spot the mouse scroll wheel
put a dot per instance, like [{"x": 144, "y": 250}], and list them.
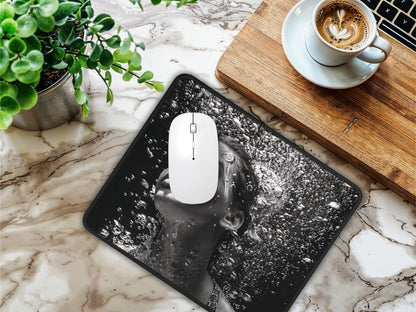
[{"x": 193, "y": 127}]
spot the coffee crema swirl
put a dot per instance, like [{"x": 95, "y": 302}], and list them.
[{"x": 343, "y": 26}]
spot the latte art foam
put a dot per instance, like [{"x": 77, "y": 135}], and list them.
[{"x": 343, "y": 26}]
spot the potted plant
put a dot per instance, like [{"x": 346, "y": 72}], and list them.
[{"x": 45, "y": 43}]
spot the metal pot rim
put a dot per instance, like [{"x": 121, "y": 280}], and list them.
[{"x": 56, "y": 84}]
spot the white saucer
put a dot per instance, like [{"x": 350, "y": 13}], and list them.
[{"x": 344, "y": 76}]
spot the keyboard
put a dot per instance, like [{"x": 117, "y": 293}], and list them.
[{"x": 397, "y": 18}]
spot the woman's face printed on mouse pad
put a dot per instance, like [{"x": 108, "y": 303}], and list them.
[{"x": 251, "y": 247}]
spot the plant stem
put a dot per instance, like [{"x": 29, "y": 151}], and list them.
[
  {"x": 126, "y": 70},
  {"x": 101, "y": 76}
]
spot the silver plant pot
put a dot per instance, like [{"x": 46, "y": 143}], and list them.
[{"x": 56, "y": 105}]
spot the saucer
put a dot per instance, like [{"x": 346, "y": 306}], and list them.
[{"x": 344, "y": 76}]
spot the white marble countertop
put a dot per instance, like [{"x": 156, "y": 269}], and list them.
[{"x": 49, "y": 262}]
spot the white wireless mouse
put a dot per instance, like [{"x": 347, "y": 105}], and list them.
[{"x": 193, "y": 158}]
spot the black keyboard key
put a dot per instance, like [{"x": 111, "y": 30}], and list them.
[
  {"x": 414, "y": 33},
  {"x": 404, "y": 22},
  {"x": 405, "y": 5},
  {"x": 413, "y": 12},
  {"x": 398, "y": 34},
  {"x": 387, "y": 11},
  {"x": 372, "y": 4},
  {"x": 376, "y": 17}
]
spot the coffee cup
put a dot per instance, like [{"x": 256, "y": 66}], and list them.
[{"x": 343, "y": 29}]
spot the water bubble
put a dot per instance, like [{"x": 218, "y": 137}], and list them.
[
  {"x": 247, "y": 297},
  {"x": 334, "y": 205},
  {"x": 104, "y": 233},
  {"x": 145, "y": 184},
  {"x": 116, "y": 230},
  {"x": 229, "y": 157},
  {"x": 140, "y": 204},
  {"x": 149, "y": 152}
]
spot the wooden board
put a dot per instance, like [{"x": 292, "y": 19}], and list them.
[{"x": 372, "y": 126}]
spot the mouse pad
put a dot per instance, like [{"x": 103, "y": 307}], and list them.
[{"x": 276, "y": 212}]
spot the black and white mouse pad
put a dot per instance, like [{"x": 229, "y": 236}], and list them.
[{"x": 252, "y": 247}]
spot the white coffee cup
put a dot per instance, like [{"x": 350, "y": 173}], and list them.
[{"x": 374, "y": 50}]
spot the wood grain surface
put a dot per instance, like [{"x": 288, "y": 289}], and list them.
[{"x": 372, "y": 126}]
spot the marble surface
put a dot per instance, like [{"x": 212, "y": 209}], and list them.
[{"x": 49, "y": 262}]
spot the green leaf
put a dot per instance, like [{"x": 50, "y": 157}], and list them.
[
  {"x": 69, "y": 59},
  {"x": 32, "y": 43},
  {"x": 100, "y": 17},
  {"x": 65, "y": 9},
  {"x": 66, "y": 34},
  {"x": 94, "y": 29},
  {"x": 78, "y": 43},
  {"x": 35, "y": 58},
  {"x": 27, "y": 96},
  {"x": 147, "y": 75},
  {"x": 75, "y": 67},
  {"x": 4, "y": 60},
  {"x": 9, "y": 105},
  {"x": 60, "y": 65},
  {"x": 85, "y": 109},
  {"x": 156, "y": 2},
  {"x": 135, "y": 59},
  {"x": 108, "y": 77},
  {"x": 109, "y": 97},
  {"x": 28, "y": 77},
  {"x": 9, "y": 75},
  {"x": 4, "y": 88},
  {"x": 6, "y": 11},
  {"x": 21, "y": 6},
  {"x": 17, "y": 45},
  {"x": 48, "y": 7},
  {"x": 60, "y": 22},
  {"x": 26, "y": 25},
  {"x": 127, "y": 76},
  {"x": 113, "y": 42},
  {"x": 91, "y": 64},
  {"x": 133, "y": 68},
  {"x": 8, "y": 89},
  {"x": 141, "y": 46},
  {"x": 5, "y": 120},
  {"x": 90, "y": 11},
  {"x": 106, "y": 58},
  {"x": 80, "y": 96},
  {"x": 77, "y": 80},
  {"x": 149, "y": 85},
  {"x": 83, "y": 61},
  {"x": 122, "y": 58},
  {"x": 107, "y": 23},
  {"x": 158, "y": 86},
  {"x": 46, "y": 24},
  {"x": 59, "y": 53},
  {"x": 101, "y": 66},
  {"x": 125, "y": 46},
  {"x": 8, "y": 26},
  {"x": 116, "y": 69},
  {"x": 96, "y": 52},
  {"x": 20, "y": 66}
]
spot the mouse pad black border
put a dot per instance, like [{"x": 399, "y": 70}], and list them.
[{"x": 110, "y": 187}]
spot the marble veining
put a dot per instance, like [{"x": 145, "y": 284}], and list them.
[{"x": 49, "y": 262}]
